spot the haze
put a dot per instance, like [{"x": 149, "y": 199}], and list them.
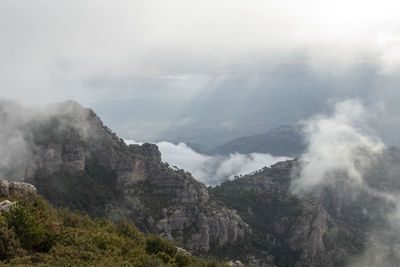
[{"x": 203, "y": 71}]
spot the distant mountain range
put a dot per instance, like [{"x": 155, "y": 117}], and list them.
[
  {"x": 285, "y": 140},
  {"x": 282, "y": 141}
]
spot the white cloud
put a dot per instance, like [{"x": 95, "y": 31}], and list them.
[
  {"x": 334, "y": 146},
  {"x": 212, "y": 170}
]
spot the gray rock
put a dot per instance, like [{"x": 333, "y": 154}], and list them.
[
  {"x": 21, "y": 188},
  {"x": 4, "y": 188},
  {"x": 6, "y": 205}
]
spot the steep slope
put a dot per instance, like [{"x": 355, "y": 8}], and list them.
[
  {"x": 282, "y": 141},
  {"x": 77, "y": 162}
]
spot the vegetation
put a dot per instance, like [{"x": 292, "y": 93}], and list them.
[{"x": 32, "y": 232}]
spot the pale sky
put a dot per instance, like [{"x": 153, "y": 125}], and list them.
[{"x": 183, "y": 69}]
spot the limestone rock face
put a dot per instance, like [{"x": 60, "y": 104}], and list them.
[
  {"x": 307, "y": 236},
  {"x": 172, "y": 203},
  {"x": 148, "y": 151}
]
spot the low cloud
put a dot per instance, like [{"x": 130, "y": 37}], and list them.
[
  {"x": 336, "y": 145},
  {"x": 212, "y": 170},
  {"x": 351, "y": 172}
]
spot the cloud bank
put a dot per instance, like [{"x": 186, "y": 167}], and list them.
[{"x": 212, "y": 170}]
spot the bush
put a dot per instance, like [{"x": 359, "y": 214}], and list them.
[
  {"x": 32, "y": 236},
  {"x": 163, "y": 256},
  {"x": 9, "y": 244},
  {"x": 156, "y": 243},
  {"x": 182, "y": 260},
  {"x": 129, "y": 230},
  {"x": 74, "y": 219}
]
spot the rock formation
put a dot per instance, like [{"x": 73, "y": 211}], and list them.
[
  {"x": 14, "y": 188},
  {"x": 6, "y": 205}
]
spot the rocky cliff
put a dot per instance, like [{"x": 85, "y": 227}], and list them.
[{"x": 294, "y": 231}]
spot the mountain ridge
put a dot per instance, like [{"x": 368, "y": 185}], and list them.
[{"x": 285, "y": 140}]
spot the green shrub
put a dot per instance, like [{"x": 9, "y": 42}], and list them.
[
  {"x": 74, "y": 219},
  {"x": 32, "y": 236},
  {"x": 163, "y": 256},
  {"x": 182, "y": 260},
  {"x": 129, "y": 230},
  {"x": 9, "y": 244},
  {"x": 156, "y": 243}
]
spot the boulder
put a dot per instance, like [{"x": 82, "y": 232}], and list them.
[
  {"x": 6, "y": 205},
  {"x": 21, "y": 188}
]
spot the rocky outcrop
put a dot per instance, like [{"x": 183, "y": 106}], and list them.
[
  {"x": 15, "y": 188},
  {"x": 307, "y": 235},
  {"x": 21, "y": 188},
  {"x": 6, "y": 205},
  {"x": 173, "y": 204}
]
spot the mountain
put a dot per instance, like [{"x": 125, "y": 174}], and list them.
[
  {"x": 75, "y": 161},
  {"x": 282, "y": 141}
]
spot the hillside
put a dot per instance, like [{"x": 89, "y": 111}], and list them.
[{"x": 33, "y": 233}]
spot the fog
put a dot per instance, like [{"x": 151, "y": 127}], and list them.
[
  {"x": 204, "y": 71},
  {"x": 334, "y": 144}
]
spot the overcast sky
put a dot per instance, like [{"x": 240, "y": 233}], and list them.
[{"x": 203, "y": 71}]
